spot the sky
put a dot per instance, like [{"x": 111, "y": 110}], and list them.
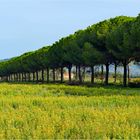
[{"x": 27, "y": 25}]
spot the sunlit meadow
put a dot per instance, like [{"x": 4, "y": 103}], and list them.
[{"x": 68, "y": 112}]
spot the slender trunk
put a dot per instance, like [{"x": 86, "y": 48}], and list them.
[
  {"x": 83, "y": 74},
  {"x": 125, "y": 73},
  {"x": 53, "y": 75},
  {"x": 6, "y": 79},
  {"x": 33, "y": 76},
  {"x": 14, "y": 78},
  {"x": 107, "y": 74},
  {"x": 25, "y": 77},
  {"x": 42, "y": 76},
  {"x": 48, "y": 75},
  {"x": 80, "y": 77},
  {"x": 29, "y": 77},
  {"x": 102, "y": 73},
  {"x": 37, "y": 76},
  {"x": 115, "y": 76},
  {"x": 19, "y": 77},
  {"x": 76, "y": 72},
  {"x": 9, "y": 78},
  {"x": 92, "y": 74},
  {"x": 128, "y": 74},
  {"x": 69, "y": 69},
  {"x": 62, "y": 77},
  {"x": 22, "y": 77}
]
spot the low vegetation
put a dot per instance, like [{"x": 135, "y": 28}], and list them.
[{"x": 29, "y": 111}]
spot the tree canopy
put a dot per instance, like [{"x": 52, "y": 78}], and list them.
[{"x": 104, "y": 43}]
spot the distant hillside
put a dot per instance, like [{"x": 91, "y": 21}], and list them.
[{"x": 4, "y": 60}]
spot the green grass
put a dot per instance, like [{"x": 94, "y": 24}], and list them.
[{"x": 29, "y": 111}]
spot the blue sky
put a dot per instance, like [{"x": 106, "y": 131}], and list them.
[{"x": 27, "y": 25}]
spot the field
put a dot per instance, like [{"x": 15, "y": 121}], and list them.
[{"x": 30, "y": 111}]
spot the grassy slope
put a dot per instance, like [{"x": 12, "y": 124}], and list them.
[{"x": 60, "y": 111}]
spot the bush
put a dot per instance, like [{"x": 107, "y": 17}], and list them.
[{"x": 135, "y": 83}]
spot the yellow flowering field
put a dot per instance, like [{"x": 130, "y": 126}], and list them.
[{"x": 29, "y": 111}]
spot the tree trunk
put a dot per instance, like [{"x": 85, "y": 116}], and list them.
[
  {"x": 19, "y": 77},
  {"x": 107, "y": 74},
  {"x": 9, "y": 78},
  {"x": 128, "y": 74},
  {"x": 125, "y": 74},
  {"x": 83, "y": 74},
  {"x": 33, "y": 76},
  {"x": 37, "y": 76},
  {"x": 29, "y": 77},
  {"x": 80, "y": 77},
  {"x": 14, "y": 78},
  {"x": 115, "y": 76},
  {"x": 42, "y": 76},
  {"x": 22, "y": 77},
  {"x": 76, "y": 73},
  {"x": 92, "y": 74},
  {"x": 62, "y": 77},
  {"x": 102, "y": 73},
  {"x": 25, "y": 77},
  {"x": 6, "y": 78},
  {"x": 53, "y": 75},
  {"x": 69, "y": 70},
  {"x": 48, "y": 75}
]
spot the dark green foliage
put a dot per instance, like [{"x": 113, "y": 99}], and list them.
[{"x": 114, "y": 41}]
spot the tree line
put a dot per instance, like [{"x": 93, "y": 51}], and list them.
[{"x": 113, "y": 41}]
